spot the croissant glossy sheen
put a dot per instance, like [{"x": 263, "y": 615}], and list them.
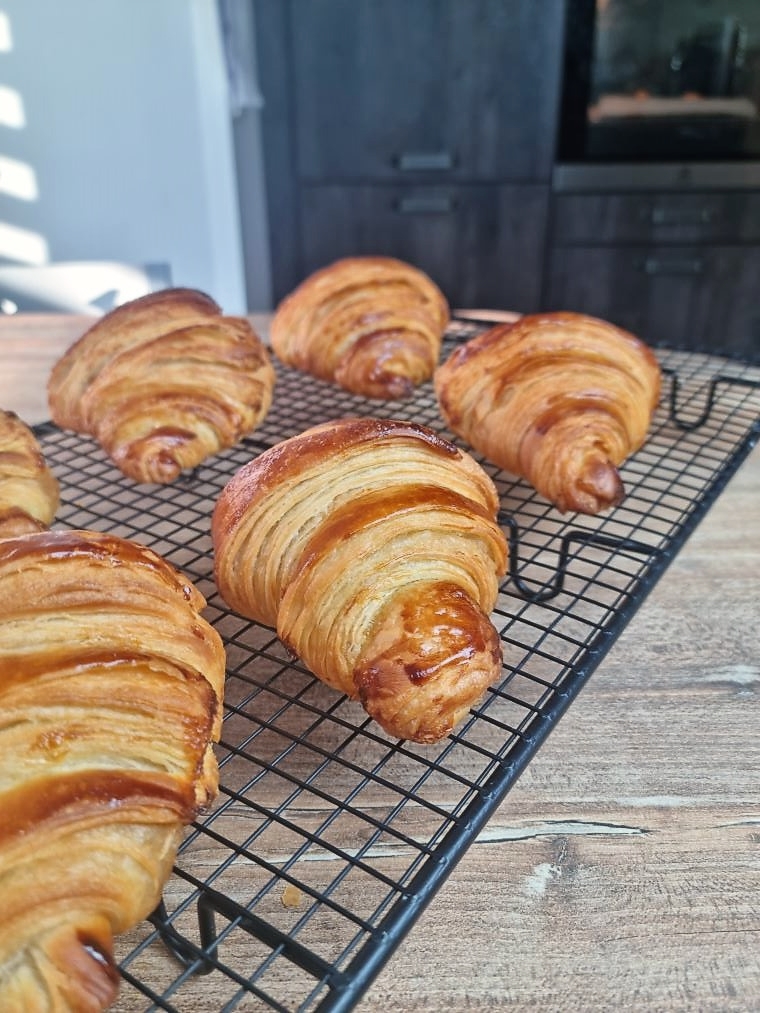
[
  {"x": 372, "y": 325},
  {"x": 560, "y": 399},
  {"x": 29, "y": 493},
  {"x": 163, "y": 382},
  {"x": 371, "y": 545},
  {"x": 110, "y": 696}
]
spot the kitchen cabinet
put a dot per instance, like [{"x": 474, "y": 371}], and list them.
[
  {"x": 483, "y": 244},
  {"x": 676, "y": 268},
  {"x": 426, "y": 131},
  {"x": 701, "y": 298},
  {"x": 393, "y": 88},
  {"x": 665, "y": 216},
  {"x": 423, "y": 131}
]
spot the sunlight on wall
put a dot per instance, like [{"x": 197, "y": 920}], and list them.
[
  {"x": 6, "y": 38},
  {"x": 11, "y": 108},
  {"x": 17, "y": 179},
  {"x": 23, "y": 245}
]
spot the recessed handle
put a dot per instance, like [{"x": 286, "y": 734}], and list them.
[
  {"x": 659, "y": 215},
  {"x": 688, "y": 266},
  {"x": 424, "y": 161},
  {"x": 425, "y": 205}
]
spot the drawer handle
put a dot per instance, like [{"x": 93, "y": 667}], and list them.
[
  {"x": 425, "y": 205},
  {"x": 678, "y": 216},
  {"x": 672, "y": 265},
  {"x": 424, "y": 161}
]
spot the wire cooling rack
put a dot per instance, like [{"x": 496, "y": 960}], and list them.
[{"x": 328, "y": 837}]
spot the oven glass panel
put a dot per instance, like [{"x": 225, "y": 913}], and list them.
[{"x": 677, "y": 79}]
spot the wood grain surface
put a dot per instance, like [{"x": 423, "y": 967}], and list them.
[{"x": 623, "y": 869}]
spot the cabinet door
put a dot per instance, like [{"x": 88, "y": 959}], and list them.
[
  {"x": 684, "y": 297},
  {"x": 386, "y": 89},
  {"x": 725, "y": 310},
  {"x": 657, "y": 217},
  {"x": 482, "y": 244}
]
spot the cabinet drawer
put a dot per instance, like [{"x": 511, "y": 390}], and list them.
[
  {"x": 657, "y": 217},
  {"x": 448, "y": 89},
  {"x": 482, "y": 244},
  {"x": 680, "y": 296}
]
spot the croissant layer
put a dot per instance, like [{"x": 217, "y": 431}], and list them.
[
  {"x": 163, "y": 382},
  {"x": 371, "y": 546},
  {"x": 372, "y": 325},
  {"x": 560, "y": 399},
  {"x": 110, "y": 700},
  {"x": 29, "y": 492}
]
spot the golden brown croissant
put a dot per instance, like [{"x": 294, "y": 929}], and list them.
[
  {"x": 372, "y": 325},
  {"x": 371, "y": 545},
  {"x": 560, "y": 399},
  {"x": 29, "y": 494},
  {"x": 110, "y": 695},
  {"x": 163, "y": 382}
]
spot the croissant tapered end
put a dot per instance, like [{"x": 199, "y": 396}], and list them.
[
  {"x": 163, "y": 382},
  {"x": 371, "y": 545},
  {"x": 29, "y": 492},
  {"x": 372, "y": 325},
  {"x": 110, "y": 700},
  {"x": 594, "y": 487},
  {"x": 560, "y": 399},
  {"x": 92, "y": 981},
  {"x": 434, "y": 655}
]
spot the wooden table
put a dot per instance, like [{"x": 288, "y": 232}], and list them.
[{"x": 623, "y": 869}]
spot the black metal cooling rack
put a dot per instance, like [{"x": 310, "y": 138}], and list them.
[{"x": 319, "y": 855}]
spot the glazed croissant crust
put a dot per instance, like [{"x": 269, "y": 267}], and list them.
[
  {"x": 29, "y": 492},
  {"x": 163, "y": 382},
  {"x": 560, "y": 399},
  {"x": 372, "y": 325},
  {"x": 110, "y": 696},
  {"x": 371, "y": 545}
]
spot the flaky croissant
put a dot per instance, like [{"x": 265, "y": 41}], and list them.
[
  {"x": 371, "y": 545},
  {"x": 163, "y": 382},
  {"x": 560, "y": 399},
  {"x": 372, "y": 325},
  {"x": 110, "y": 696},
  {"x": 29, "y": 492}
]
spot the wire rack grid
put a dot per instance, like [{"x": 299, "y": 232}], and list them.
[{"x": 328, "y": 838}]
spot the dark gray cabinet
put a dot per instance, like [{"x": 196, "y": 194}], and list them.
[
  {"x": 483, "y": 244},
  {"x": 665, "y": 216},
  {"x": 676, "y": 268},
  {"x": 423, "y": 130},
  {"x": 679, "y": 296},
  {"x": 389, "y": 88}
]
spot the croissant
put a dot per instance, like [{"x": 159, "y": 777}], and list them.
[
  {"x": 29, "y": 492},
  {"x": 560, "y": 399},
  {"x": 162, "y": 383},
  {"x": 371, "y": 545},
  {"x": 372, "y": 325},
  {"x": 110, "y": 696}
]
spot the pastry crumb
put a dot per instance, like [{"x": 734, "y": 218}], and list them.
[{"x": 291, "y": 896}]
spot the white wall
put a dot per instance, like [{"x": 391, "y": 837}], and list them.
[{"x": 114, "y": 115}]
